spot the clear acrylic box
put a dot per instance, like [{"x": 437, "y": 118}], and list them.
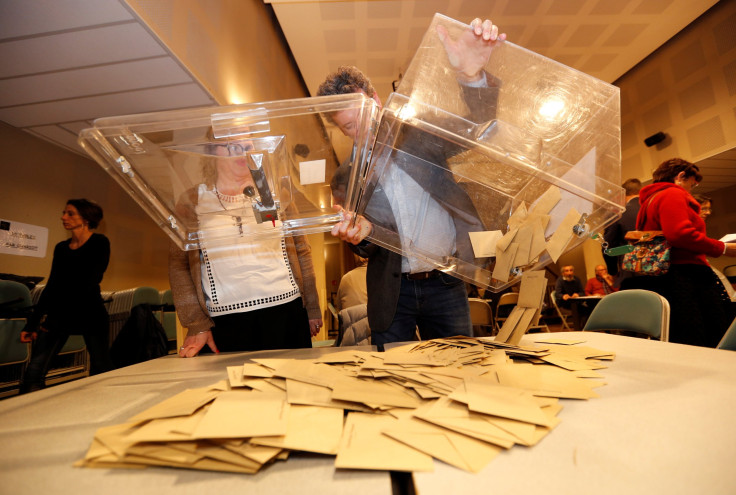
[
  {"x": 172, "y": 162},
  {"x": 486, "y": 183}
]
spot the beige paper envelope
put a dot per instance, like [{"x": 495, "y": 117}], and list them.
[
  {"x": 235, "y": 376},
  {"x": 506, "y": 402},
  {"x": 164, "y": 453},
  {"x": 220, "y": 453},
  {"x": 547, "y": 201},
  {"x": 348, "y": 356},
  {"x": 307, "y": 371},
  {"x": 518, "y": 216},
  {"x": 545, "y": 381},
  {"x": 255, "y": 370},
  {"x": 562, "y": 236},
  {"x": 504, "y": 261},
  {"x": 262, "y": 385},
  {"x": 505, "y": 241},
  {"x": 240, "y": 414},
  {"x": 258, "y": 453},
  {"x": 484, "y": 243},
  {"x": 510, "y": 324},
  {"x": 524, "y": 240},
  {"x": 115, "y": 437},
  {"x": 533, "y": 284},
  {"x": 310, "y": 429},
  {"x": 455, "y": 416},
  {"x": 539, "y": 243},
  {"x": 182, "y": 404},
  {"x": 522, "y": 327},
  {"x": 161, "y": 430},
  {"x": 372, "y": 393},
  {"x": 450, "y": 447},
  {"x": 363, "y": 446}
]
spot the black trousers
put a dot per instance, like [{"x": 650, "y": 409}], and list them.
[
  {"x": 700, "y": 309},
  {"x": 47, "y": 346},
  {"x": 285, "y": 326}
]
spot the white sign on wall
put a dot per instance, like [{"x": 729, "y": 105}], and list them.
[{"x": 23, "y": 239}]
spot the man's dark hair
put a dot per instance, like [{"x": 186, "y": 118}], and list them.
[
  {"x": 89, "y": 210},
  {"x": 631, "y": 186},
  {"x": 347, "y": 79}
]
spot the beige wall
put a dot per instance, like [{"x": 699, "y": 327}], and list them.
[
  {"x": 207, "y": 35},
  {"x": 37, "y": 180},
  {"x": 687, "y": 89}
]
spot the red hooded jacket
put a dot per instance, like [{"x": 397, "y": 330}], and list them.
[{"x": 676, "y": 213}]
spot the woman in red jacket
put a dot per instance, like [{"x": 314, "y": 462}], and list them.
[{"x": 700, "y": 308}]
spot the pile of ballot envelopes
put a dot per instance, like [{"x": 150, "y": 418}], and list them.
[{"x": 461, "y": 400}]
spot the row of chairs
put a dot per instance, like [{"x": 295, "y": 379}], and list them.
[
  {"x": 640, "y": 311},
  {"x": 16, "y": 304},
  {"x": 486, "y": 322}
]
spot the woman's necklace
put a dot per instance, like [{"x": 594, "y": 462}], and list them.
[{"x": 237, "y": 218}]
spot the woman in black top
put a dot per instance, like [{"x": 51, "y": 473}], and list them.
[{"x": 71, "y": 300}]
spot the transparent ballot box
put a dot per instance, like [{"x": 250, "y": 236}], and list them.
[
  {"x": 486, "y": 180},
  {"x": 213, "y": 175}
]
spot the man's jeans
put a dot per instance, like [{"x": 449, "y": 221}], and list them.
[{"x": 438, "y": 306}]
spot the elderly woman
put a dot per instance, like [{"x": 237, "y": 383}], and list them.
[
  {"x": 252, "y": 293},
  {"x": 700, "y": 308}
]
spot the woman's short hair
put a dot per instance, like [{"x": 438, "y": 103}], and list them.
[
  {"x": 89, "y": 210},
  {"x": 702, "y": 198},
  {"x": 668, "y": 170}
]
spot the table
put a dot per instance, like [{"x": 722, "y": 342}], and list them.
[
  {"x": 591, "y": 301},
  {"x": 664, "y": 424},
  {"x": 43, "y": 433}
]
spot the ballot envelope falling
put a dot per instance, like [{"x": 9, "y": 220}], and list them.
[{"x": 483, "y": 181}]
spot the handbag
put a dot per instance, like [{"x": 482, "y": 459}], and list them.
[{"x": 650, "y": 254}]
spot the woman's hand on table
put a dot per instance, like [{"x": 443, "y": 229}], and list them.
[
  {"x": 194, "y": 343},
  {"x": 315, "y": 326}
]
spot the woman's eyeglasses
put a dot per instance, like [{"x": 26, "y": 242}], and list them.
[{"x": 236, "y": 149}]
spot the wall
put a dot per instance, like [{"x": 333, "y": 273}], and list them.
[
  {"x": 208, "y": 36},
  {"x": 687, "y": 89},
  {"x": 37, "y": 180}
]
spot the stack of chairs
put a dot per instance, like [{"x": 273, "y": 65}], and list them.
[{"x": 15, "y": 307}]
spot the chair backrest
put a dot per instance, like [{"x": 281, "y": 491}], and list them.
[
  {"x": 15, "y": 303},
  {"x": 728, "y": 341},
  {"x": 635, "y": 310},
  {"x": 480, "y": 311},
  {"x": 14, "y": 296},
  {"x": 167, "y": 298},
  {"x": 509, "y": 298},
  {"x": 146, "y": 295},
  {"x": 730, "y": 272}
]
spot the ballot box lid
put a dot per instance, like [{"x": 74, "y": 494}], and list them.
[{"x": 171, "y": 163}]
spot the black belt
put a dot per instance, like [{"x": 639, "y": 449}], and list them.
[{"x": 421, "y": 275}]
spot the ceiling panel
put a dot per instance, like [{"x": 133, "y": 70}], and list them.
[
  {"x": 31, "y": 17},
  {"x": 144, "y": 100},
  {"x": 67, "y": 62},
  {"x": 96, "y": 46},
  {"x": 73, "y": 83}
]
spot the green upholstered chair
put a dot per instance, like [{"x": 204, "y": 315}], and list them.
[
  {"x": 635, "y": 310},
  {"x": 728, "y": 341}
]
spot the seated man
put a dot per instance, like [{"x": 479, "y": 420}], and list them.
[
  {"x": 601, "y": 284},
  {"x": 568, "y": 286}
]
